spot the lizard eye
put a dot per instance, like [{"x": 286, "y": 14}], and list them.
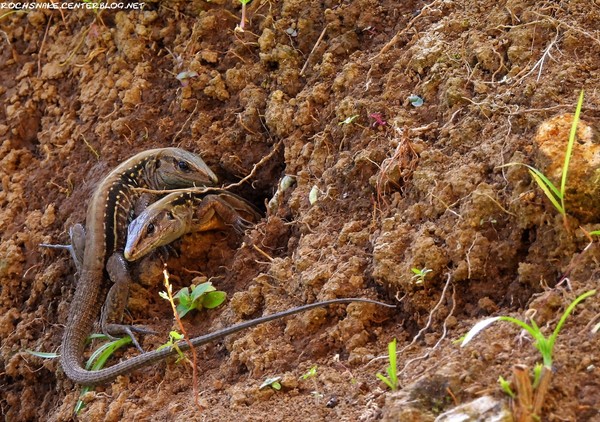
[
  {"x": 150, "y": 228},
  {"x": 183, "y": 166},
  {"x": 170, "y": 216}
]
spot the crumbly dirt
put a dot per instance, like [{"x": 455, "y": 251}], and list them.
[{"x": 380, "y": 187}]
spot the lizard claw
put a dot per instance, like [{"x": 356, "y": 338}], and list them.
[
  {"x": 129, "y": 330},
  {"x": 240, "y": 225}
]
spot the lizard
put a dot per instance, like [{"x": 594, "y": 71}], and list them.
[
  {"x": 173, "y": 216},
  {"x": 106, "y": 217},
  {"x": 108, "y": 213},
  {"x": 183, "y": 212}
]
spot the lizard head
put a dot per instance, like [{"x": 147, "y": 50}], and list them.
[
  {"x": 177, "y": 168},
  {"x": 158, "y": 225}
]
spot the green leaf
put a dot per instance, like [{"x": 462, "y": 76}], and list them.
[
  {"x": 564, "y": 316},
  {"x": 572, "y": 134},
  {"x": 392, "y": 368},
  {"x": 182, "y": 310},
  {"x": 310, "y": 373},
  {"x": 271, "y": 382},
  {"x": 43, "y": 355},
  {"x": 213, "y": 299},
  {"x": 176, "y": 335},
  {"x": 549, "y": 189},
  {"x": 348, "y": 120},
  {"x": 202, "y": 289},
  {"x": 505, "y": 386},
  {"x": 385, "y": 380},
  {"x": 182, "y": 293},
  {"x": 98, "y": 336}
]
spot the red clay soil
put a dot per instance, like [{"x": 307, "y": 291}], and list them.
[{"x": 380, "y": 187}]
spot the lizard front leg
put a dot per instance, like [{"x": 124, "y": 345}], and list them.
[
  {"x": 116, "y": 301},
  {"x": 220, "y": 211}
]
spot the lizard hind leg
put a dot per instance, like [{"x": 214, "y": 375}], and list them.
[{"x": 116, "y": 302}]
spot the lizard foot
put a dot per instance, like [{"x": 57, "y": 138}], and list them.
[
  {"x": 111, "y": 330},
  {"x": 240, "y": 225}
]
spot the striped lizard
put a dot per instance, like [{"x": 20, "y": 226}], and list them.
[
  {"x": 176, "y": 212},
  {"x": 183, "y": 212},
  {"x": 108, "y": 214}
]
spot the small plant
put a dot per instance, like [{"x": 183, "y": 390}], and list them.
[
  {"x": 348, "y": 120},
  {"x": 271, "y": 382},
  {"x": 415, "y": 100},
  {"x": 204, "y": 295},
  {"x": 242, "y": 24},
  {"x": 419, "y": 274},
  {"x": 554, "y": 194},
  {"x": 392, "y": 379},
  {"x": 168, "y": 295},
  {"x": 174, "y": 337},
  {"x": 310, "y": 373},
  {"x": 378, "y": 120},
  {"x": 527, "y": 405},
  {"x": 505, "y": 386},
  {"x": 185, "y": 76}
]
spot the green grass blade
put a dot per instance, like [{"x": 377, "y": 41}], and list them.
[
  {"x": 549, "y": 189},
  {"x": 545, "y": 181},
  {"x": 101, "y": 355},
  {"x": 385, "y": 380},
  {"x": 572, "y": 135},
  {"x": 43, "y": 355},
  {"x": 97, "y": 361},
  {"x": 392, "y": 357},
  {"x": 567, "y": 312},
  {"x": 532, "y": 332}
]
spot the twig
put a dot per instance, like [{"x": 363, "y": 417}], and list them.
[
  {"x": 425, "y": 328},
  {"x": 90, "y": 147},
  {"x": 540, "y": 62},
  {"x": 76, "y": 49},
  {"x": 186, "y": 121},
  {"x": 39, "y": 62},
  {"x": 313, "y": 50},
  {"x": 169, "y": 289},
  {"x": 215, "y": 189},
  {"x": 495, "y": 201},
  {"x": 426, "y": 355},
  {"x": 409, "y": 25},
  {"x": 263, "y": 253},
  {"x": 445, "y": 325},
  {"x": 468, "y": 254}
]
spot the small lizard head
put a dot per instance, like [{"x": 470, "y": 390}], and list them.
[
  {"x": 158, "y": 225},
  {"x": 177, "y": 168}
]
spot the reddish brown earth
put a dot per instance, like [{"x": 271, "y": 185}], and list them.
[{"x": 81, "y": 92}]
